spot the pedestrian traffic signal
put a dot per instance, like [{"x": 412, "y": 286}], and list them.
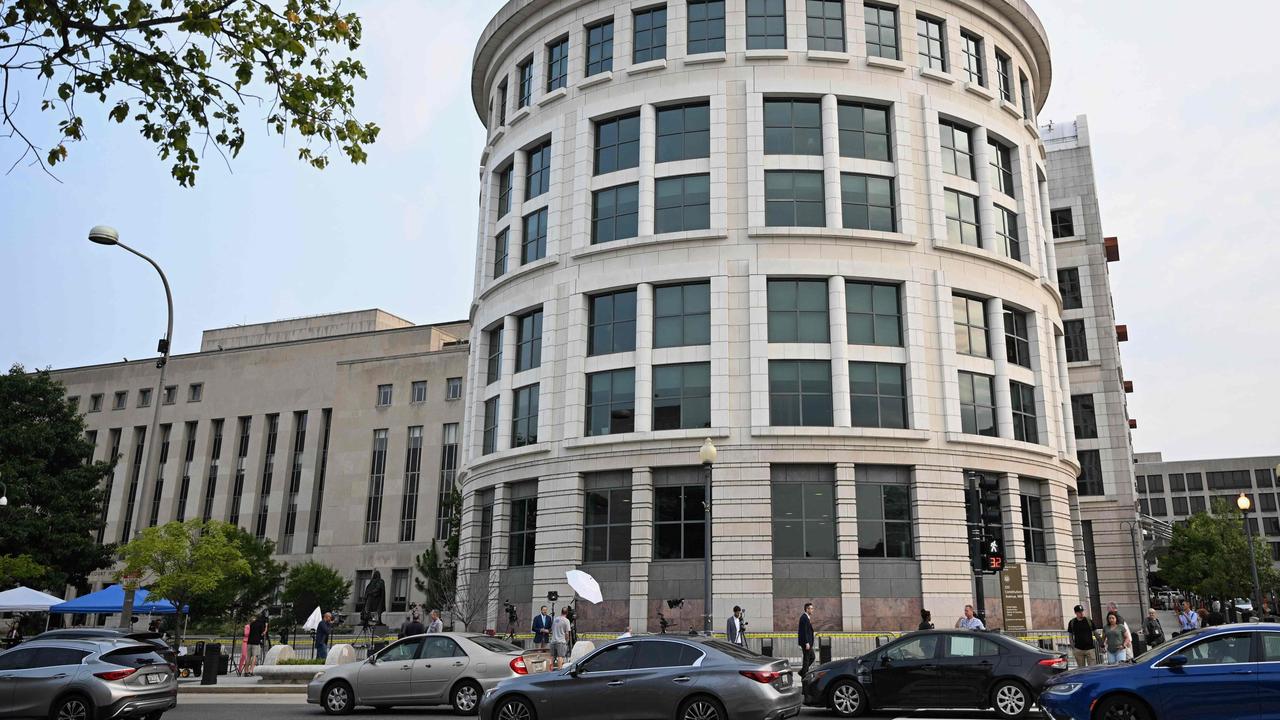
[{"x": 992, "y": 554}]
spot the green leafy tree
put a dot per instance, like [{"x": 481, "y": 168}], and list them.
[
  {"x": 1210, "y": 556},
  {"x": 315, "y": 582},
  {"x": 54, "y": 487},
  {"x": 183, "y": 70},
  {"x": 245, "y": 594},
  {"x": 185, "y": 563},
  {"x": 21, "y": 570},
  {"x": 437, "y": 566}
]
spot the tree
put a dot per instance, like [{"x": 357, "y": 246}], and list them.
[
  {"x": 242, "y": 596},
  {"x": 473, "y": 601},
  {"x": 1209, "y": 556},
  {"x": 310, "y": 582},
  {"x": 20, "y": 570},
  {"x": 185, "y": 563},
  {"x": 182, "y": 70},
  {"x": 437, "y": 566},
  {"x": 54, "y": 487}
]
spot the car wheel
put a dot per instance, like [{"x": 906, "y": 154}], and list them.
[
  {"x": 701, "y": 707},
  {"x": 1122, "y": 707},
  {"x": 514, "y": 708},
  {"x": 1010, "y": 699},
  {"x": 338, "y": 699},
  {"x": 466, "y": 698},
  {"x": 72, "y": 707},
  {"x": 848, "y": 699},
  {"x": 153, "y": 716}
]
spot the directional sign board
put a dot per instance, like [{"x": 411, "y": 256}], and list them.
[{"x": 1013, "y": 598}]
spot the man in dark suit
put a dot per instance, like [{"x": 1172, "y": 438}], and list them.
[{"x": 804, "y": 637}]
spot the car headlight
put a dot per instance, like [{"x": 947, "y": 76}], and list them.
[
  {"x": 815, "y": 676},
  {"x": 1063, "y": 689}
]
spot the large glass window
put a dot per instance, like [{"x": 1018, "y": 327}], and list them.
[
  {"x": 800, "y": 393},
  {"x": 490, "y": 443},
  {"x": 1017, "y": 338},
  {"x": 682, "y": 315},
  {"x": 1024, "y": 412},
  {"x": 1069, "y": 286},
  {"x": 611, "y": 402},
  {"x": 882, "y": 31},
  {"x": 766, "y": 24},
  {"x": 534, "y": 246},
  {"x": 873, "y": 314},
  {"x": 377, "y": 474},
  {"x": 825, "y": 20},
  {"x": 1084, "y": 417},
  {"x": 794, "y": 198},
  {"x": 798, "y": 311},
  {"x": 878, "y": 395},
  {"x": 1001, "y": 167},
  {"x": 792, "y": 127},
  {"x": 525, "y": 70},
  {"x": 971, "y": 325},
  {"x": 524, "y": 532},
  {"x": 1007, "y": 233},
  {"x": 612, "y": 323},
  {"x": 650, "y": 34},
  {"x": 866, "y": 202},
  {"x": 600, "y": 47},
  {"x": 864, "y": 131},
  {"x": 412, "y": 481},
  {"x": 977, "y": 405},
  {"x": 1195, "y": 481},
  {"x": 524, "y": 416},
  {"x": 615, "y": 213},
  {"x": 931, "y": 38},
  {"x": 617, "y": 143},
  {"x": 607, "y": 525},
  {"x": 683, "y": 203},
  {"x": 1028, "y": 108},
  {"x": 493, "y": 365},
  {"x": 804, "y": 520},
  {"x": 684, "y": 132},
  {"x": 957, "y": 150},
  {"x": 682, "y": 396},
  {"x": 1062, "y": 222},
  {"x": 448, "y": 473},
  {"x": 529, "y": 341},
  {"x": 537, "y": 176},
  {"x": 500, "y": 253},
  {"x": 962, "y": 219},
  {"x": 1004, "y": 72},
  {"x": 504, "y": 191},
  {"x": 679, "y": 522},
  {"x": 1033, "y": 533},
  {"x": 486, "y": 530},
  {"x": 1090, "y": 480},
  {"x": 975, "y": 62},
  {"x": 884, "y": 521},
  {"x": 706, "y": 26},
  {"x": 1076, "y": 341},
  {"x": 557, "y": 63}
]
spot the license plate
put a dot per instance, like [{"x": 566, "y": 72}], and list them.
[
  {"x": 156, "y": 678},
  {"x": 785, "y": 681}
]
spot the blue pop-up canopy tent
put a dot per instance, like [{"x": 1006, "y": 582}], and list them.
[{"x": 111, "y": 600}]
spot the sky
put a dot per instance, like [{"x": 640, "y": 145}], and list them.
[{"x": 1184, "y": 115}]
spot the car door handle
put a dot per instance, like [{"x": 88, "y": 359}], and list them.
[
  {"x": 682, "y": 679},
  {"x": 616, "y": 683},
  {"x": 457, "y": 664},
  {"x": 1241, "y": 672},
  {"x": 58, "y": 676}
]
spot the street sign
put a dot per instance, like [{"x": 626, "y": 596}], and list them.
[{"x": 1013, "y": 598}]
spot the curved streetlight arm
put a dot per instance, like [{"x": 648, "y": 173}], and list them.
[{"x": 168, "y": 296}]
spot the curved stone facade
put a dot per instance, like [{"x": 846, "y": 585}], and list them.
[{"x": 787, "y": 250}]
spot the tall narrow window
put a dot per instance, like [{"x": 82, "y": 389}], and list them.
[
  {"x": 607, "y": 525},
  {"x": 884, "y": 520},
  {"x": 957, "y": 150},
  {"x": 931, "y": 38},
  {"x": 866, "y": 202},
  {"x": 106, "y": 490},
  {"x": 975, "y": 62},
  {"x": 873, "y": 314},
  {"x": 1033, "y": 529},
  {"x": 679, "y": 524},
  {"x": 529, "y": 341},
  {"x": 1028, "y": 107},
  {"x": 453, "y": 388},
  {"x": 384, "y": 395},
  {"x": 188, "y": 457},
  {"x": 1062, "y": 223},
  {"x": 1069, "y": 286},
  {"x": 878, "y": 395},
  {"x": 617, "y": 143},
  {"x": 500, "y": 253},
  {"x": 523, "y": 533},
  {"x": 135, "y": 476},
  {"x": 95, "y": 402},
  {"x": 486, "y": 530},
  {"x": 1090, "y": 480},
  {"x": 525, "y": 70},
  {"x": 683, "y": 204},
  {"x": 1076, "y": 340},
  {"x": 237, "y": 483},
  {"x": 195, "y": 392},
  {"x": 1004, "y": 71},
  {"x": 977, "y": 405},
  {"x": 825, "y": 19},
  {"x": 611, "y": 402},
  {"x": 615, "y": 213},
  {"x": 534, "y": 246},
  {"x": 682, "y": 396},
  {"x": 557, "y": 64},
  {"x": 1007, "y": 233},
  {"x": 121, "y": 398},
  {"x": 170, "y": 396},
  {"x": 766, "y": 24},
  {"x": 798, "y": 311},
  {"x": 490, "y": 443},
  {"x": 448, "y": 474},
  {"x": 1084, "y": 417},
  {"x": 493, "y": 365},
  {"x": 600, "y": 47},
  {"x": 156, "y": 492},
  {"x": 794, "y": 198},
  {"x": 377, "y": 474},
  {"x": 800, "y": 393},
  {"x": 295, "y": 480},
  {"x": 268, "y": 471},
  {"x": 211, "y": 479},
  {"x": 706, "y": 26},
  {"x": 322, "y": 467},
  {"x": 650, "y": 40},
  {"x": 1002, "y": 167},
  {"x": 504, "y": 191},
  {"x": 803, "y": 520},
  {"x": 612, "y": 323},
  {"x": 970, "y": 319},
  {"x": 412, "y": 481},
  {"x": 524, "y": 416},
  {"x": 792, "y": 127},
  {"x": 684, "y": 132},
  {"x": 864, "y": 131},
  {"x": 502, "y": 102},
  {"x": 537, "y": 174},
  {"x": 1017, "y": 338},
  {"x": 1024, "y": 412},
  {"x": 882, "y": 31},
  {"x": 682, "y": 315},
  {"x": 962, "y": 219}
]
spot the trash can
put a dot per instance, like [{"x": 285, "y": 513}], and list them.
[
  {"x": 766, "y": 647},
  {"x": 824, "y": 649},
  {"x": 209, "y": 669},
  {"x": 1139, "y": 645}
]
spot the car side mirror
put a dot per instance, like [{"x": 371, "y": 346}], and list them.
[
  {"x": 884, "y": 661},
  {"x": 1175, "y": 661},
  {"x": 373, "y": 660}
]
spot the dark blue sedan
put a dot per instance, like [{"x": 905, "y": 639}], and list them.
[{"x": 1228, "y": 672}]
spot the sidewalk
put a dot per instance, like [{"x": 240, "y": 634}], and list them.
[{"x": 236, "y": 685}]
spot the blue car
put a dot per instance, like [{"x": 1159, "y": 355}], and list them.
[{"x": 1228, "y": 672}]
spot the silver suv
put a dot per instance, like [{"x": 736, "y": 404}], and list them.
[{"x": 98, "y": 679}]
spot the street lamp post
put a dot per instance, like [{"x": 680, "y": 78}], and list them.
[
  {"x": 1244, "y": 503},
  {"x": 4, "y": 494},
  {"x": 1138, "y": 559},
  {"x": 707, "y": 454},
  {"x": 104, "y": 235}
]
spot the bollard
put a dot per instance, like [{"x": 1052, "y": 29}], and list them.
[
  {"x": 766, "y": 647},
  {"x": 824, "y": 649},
  {"x": 209, "y": 668}
]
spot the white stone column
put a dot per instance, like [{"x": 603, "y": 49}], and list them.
[
  {"x": 946, "y": 352},
  {"x": 558, "y": 546},
  {"x": 759, "y": 319},
  {"x": 641, "y": 546},
  {"x": 510, "y": 326},
  {"x": 942, "y": 543},
  {"x": 986, "y": 207},
  {"x": 498, "y": 547},
  {"x": 644, "y": 358},
  {"x": 1067, "y": 436},
  {"x": 742, "y": 541},
  {"x": 831, "y": 161},
  {"x": 1011, "y": 517},
  {"x": 648, "y": 155},
  {"x": 847, "y": 547},
  {"x": 935, "y": 215},
  {"x": 840, "y": 399},
  {"x": 1000, "y": 357},
  {"x": 515, "y": 239},
  {"x": 1049, "y": 270}
]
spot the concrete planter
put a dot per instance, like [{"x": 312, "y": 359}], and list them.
[{"x": 288, "y": 674}]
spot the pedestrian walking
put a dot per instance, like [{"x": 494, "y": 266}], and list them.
[
  {"x": 561, "y": 628},
  {"x": 323, "y": 630},
  {"x": 437, "y": 625},
  {"x": 1188, "y": 619},
  {"x": 259, "y": 631},
  {"x": 1083, "y": 644},
  {"x": 541, "y": 628},
  {"x": 805, "y": 638},
  {"x": 1152, "y": 630},
  {"x": 412, "y": 625},
  {"x": 734, "y": 630},
  {"x": 1111, "y": 608},
  {"x": 926, "y": 620},
  {"x": 969, "y": 620},
  {"x": 1117, "y": 639}
]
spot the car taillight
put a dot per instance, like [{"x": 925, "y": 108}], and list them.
[
  {"x": 518, "y": 667},
  {"x": 1058, "y": 663},
  {"x": 761, "y": 676},
  {"x": 116, "y": 674}
]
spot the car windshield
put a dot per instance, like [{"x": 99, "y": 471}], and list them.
[{"x": 493, "y": 644}]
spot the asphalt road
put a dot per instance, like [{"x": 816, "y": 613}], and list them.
[{"x": 295, "y": 707}]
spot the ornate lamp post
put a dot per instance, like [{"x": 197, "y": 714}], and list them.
[
  {"x": 707, "y": 454},
  {"x": 1245, "y": 504}
]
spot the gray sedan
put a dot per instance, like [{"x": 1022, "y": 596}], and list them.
[
  {"x": 655, "y": 676},
  {"x": 437, "y": 669},
  {"x": 101, "y": 679}
]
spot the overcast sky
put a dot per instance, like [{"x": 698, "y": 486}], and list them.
[{"x": 1185, "y": 121}]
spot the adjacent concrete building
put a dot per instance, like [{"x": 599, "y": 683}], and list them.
[
  {"x": 332, "y": 435},
  {"x": 815, "y": 233}
]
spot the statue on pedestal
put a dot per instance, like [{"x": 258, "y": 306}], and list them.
[{"x": 375, "y": 598}]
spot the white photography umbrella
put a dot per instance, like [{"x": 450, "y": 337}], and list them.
[
  {"x": 585, "y": 586},
  {"x": 313, "y": 620}
]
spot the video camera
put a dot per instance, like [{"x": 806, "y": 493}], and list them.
[{"x": 512, "y": 617}]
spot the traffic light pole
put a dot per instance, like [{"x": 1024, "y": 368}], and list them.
[{"x": 979, "y": 591}]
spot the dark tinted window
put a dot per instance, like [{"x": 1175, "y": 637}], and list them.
[
  {"x": 611, "y": 659},
  {"x": 133, "y": 657},
  {"x": 18, "y": 659},
  {"x": 54, "y": 657},
  {"x": 665, "y": 654},
  {"x": 1270, "y": 647},
  {"x": 1220, "y": 650}
]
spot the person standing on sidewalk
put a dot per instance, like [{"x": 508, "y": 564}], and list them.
[
  {"x": 437, "y": 625},
  {"x": 926, "y": 620},
  {"x": 733, "y": 628},
  {"x": 1188, "y": 620},
  {"x": 805, "y": 638},
  {"x": 1118, "y": 639},
  {"x": 970, "y": 621},
  {"x": 258, "y": 633},
  {"x": 323, "y": 630},
  {"x": 561, "y": 628},
  {"x": 541, "y": 628},
  {"x": 1082, "y": 640},
  {"x": 1152, "y": 630}
]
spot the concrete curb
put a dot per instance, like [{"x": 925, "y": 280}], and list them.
[{"x": 242, "y": 690}]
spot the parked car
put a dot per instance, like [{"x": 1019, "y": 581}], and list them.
[
  {"x": 653, "y": 676},
  {"x": 94, "y": 633},
  {"x": 437, "y": 669},
  {"x": 1226, "y": 672},
  {"x": 85, "y": 679},
  {"x": 936, "y": 669}
]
